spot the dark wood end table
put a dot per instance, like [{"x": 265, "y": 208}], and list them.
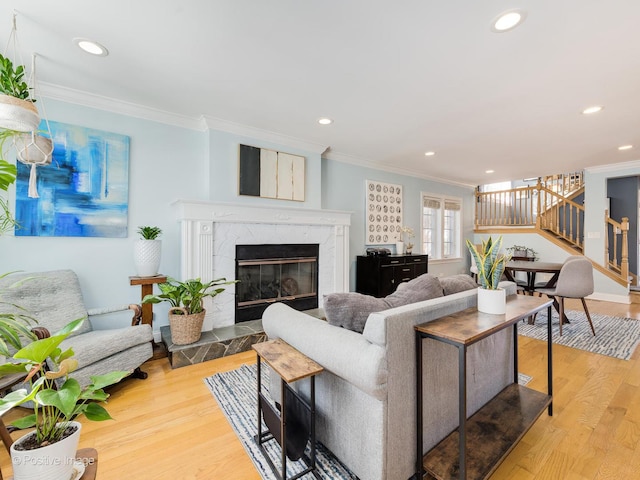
[
  {"x": 291, "y": 366},
  {"x": 517, "y": 407}
]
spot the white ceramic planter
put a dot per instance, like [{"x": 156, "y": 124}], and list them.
[
  {"x": 146, "y": 257},
  {"x": 399, "y": 248},
  {"x": 492, "y": 301},
  {"x": 53, "y": 462}
]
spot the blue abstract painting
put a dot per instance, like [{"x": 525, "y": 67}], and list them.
[{"x": 84, "y": 192}]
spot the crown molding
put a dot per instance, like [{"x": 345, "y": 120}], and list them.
[
  {"x": 86, "y": 99},
  {"x": 360, "y": 162},
  {"x": 614, "y": 167},
  {"x": 214, "y": 123}
]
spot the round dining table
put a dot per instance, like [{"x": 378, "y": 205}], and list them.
[{"x": 531, "y": 269}]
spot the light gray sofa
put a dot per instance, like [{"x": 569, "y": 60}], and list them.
[
  {"x": 54, "y": 298},
  {"x": 366, "y": 398}
]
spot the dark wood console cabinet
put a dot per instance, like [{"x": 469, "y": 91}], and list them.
[{"x": 380, "y": 275}]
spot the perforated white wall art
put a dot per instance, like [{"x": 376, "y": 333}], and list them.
[{"x": 384, "y": 209}]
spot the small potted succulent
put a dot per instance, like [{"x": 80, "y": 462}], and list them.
[
  {"x": 187, "y": 311},
  {"x": 490, "y": 262},
  {"x": 148, "y": 251},
  {"x": 49, "y": 451}
]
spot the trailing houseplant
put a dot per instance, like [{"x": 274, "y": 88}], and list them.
[
  {"x": 8, "y": 173},
  {"x": 57, "y": 401},
  {"x": 148, "y": 251},
  {"x": 187, "y": 309},
  {"x": 490, "y": 262}
]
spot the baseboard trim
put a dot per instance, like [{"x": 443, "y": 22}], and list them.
[{"x": 610, "y": 297}]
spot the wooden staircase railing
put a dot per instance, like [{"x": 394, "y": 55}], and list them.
[
  {"x": 512, "y": 208},
  {"x": 565, "y": 183},
  {"x": 616, "y": 249},
  {"x": 562, "y": 217},
  {"x": 546, "y": 209}
]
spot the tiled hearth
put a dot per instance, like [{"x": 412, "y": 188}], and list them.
[{"x": 216, "y": 343}]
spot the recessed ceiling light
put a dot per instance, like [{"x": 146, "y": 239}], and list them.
[
  {"x": 89, "y": 46},
  {"x": 625, "y": 147},
  {"x": 325, "y": 121},
  {"x": 489, "y": 171},
  {"x": 508, "y": 20},
  {"x": 593, "y": 109},
  {"x": 429, "y": 154}
]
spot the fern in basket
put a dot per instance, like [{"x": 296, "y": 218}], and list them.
[{"x": 490, "y": 262}]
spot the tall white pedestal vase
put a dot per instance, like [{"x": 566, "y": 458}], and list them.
[
  {"x": 146, "y": 257},
  {"x": 53, "y": 462},
  {"x": 492, "y": 301}
]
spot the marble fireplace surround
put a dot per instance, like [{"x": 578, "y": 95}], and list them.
[{"x": 210, "y": 232}]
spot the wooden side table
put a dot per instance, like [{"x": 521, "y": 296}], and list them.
[
  {"x": 159, "y": 350},
  {"x": 502, "y": 421},
  {"x": 291, "y": 366},
  {"x": 147, "y": 289}
]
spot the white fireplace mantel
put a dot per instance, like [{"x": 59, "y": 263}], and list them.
[{"x": 210, "y": 232}]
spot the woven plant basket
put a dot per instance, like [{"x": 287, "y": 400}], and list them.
[
  {"x": 185, "y": 328},
  {"x": 17, "y": 114}
]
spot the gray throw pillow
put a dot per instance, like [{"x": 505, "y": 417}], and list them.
[
  {"x": 424, "y": 287},
  {"x": 350, "y": 310},
  {"x": 457, "y": 283}
]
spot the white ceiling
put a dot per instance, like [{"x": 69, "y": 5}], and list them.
[{"x": 398, "y": 78}]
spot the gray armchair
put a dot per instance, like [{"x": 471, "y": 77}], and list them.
[
  {"x": 54, "y": 298},
  {"x": 574, "y": 281}
]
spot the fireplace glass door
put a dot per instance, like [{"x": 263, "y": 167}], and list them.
[{"x": 263, "y": 281}]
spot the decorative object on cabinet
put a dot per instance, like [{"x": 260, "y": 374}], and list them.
[
  {"x": 95, "y": 180},
  {"x": 384, "y": 209},
  {"x": 271, "y": 174},
  {"x": 380, "y": 275}
]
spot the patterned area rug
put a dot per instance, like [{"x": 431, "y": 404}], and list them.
[
  {"x": 615, "y": 336},
  {"x": 235, "y": 392}
]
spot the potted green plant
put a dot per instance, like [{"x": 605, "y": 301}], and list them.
[
  {"x": 187, "y": 311},
  {"x": 49, "y": 451},
  {"x": 148, "y": 251},
  {"x": 490, "y": 262},
  {"x": 17, "y": 110},
  {"x": 8, "y": 174},
  {"x": 15, "y": 324}
]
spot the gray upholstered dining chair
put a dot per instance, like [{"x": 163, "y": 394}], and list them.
[{"x": 574, "y": 281}]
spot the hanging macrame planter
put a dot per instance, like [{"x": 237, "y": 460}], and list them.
[
  {"x": 34, "y": 150},
  {"x": 17, "y": 111},
  {"x": 17, "y": 114}
]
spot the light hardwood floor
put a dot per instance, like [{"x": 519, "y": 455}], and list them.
[{"x": 170, "y": 427}]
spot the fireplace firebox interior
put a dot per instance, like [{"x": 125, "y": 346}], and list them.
[{"x": 285, "y": 273}]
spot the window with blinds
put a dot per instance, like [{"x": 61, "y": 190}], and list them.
[{"x": 441, "y": 226}]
